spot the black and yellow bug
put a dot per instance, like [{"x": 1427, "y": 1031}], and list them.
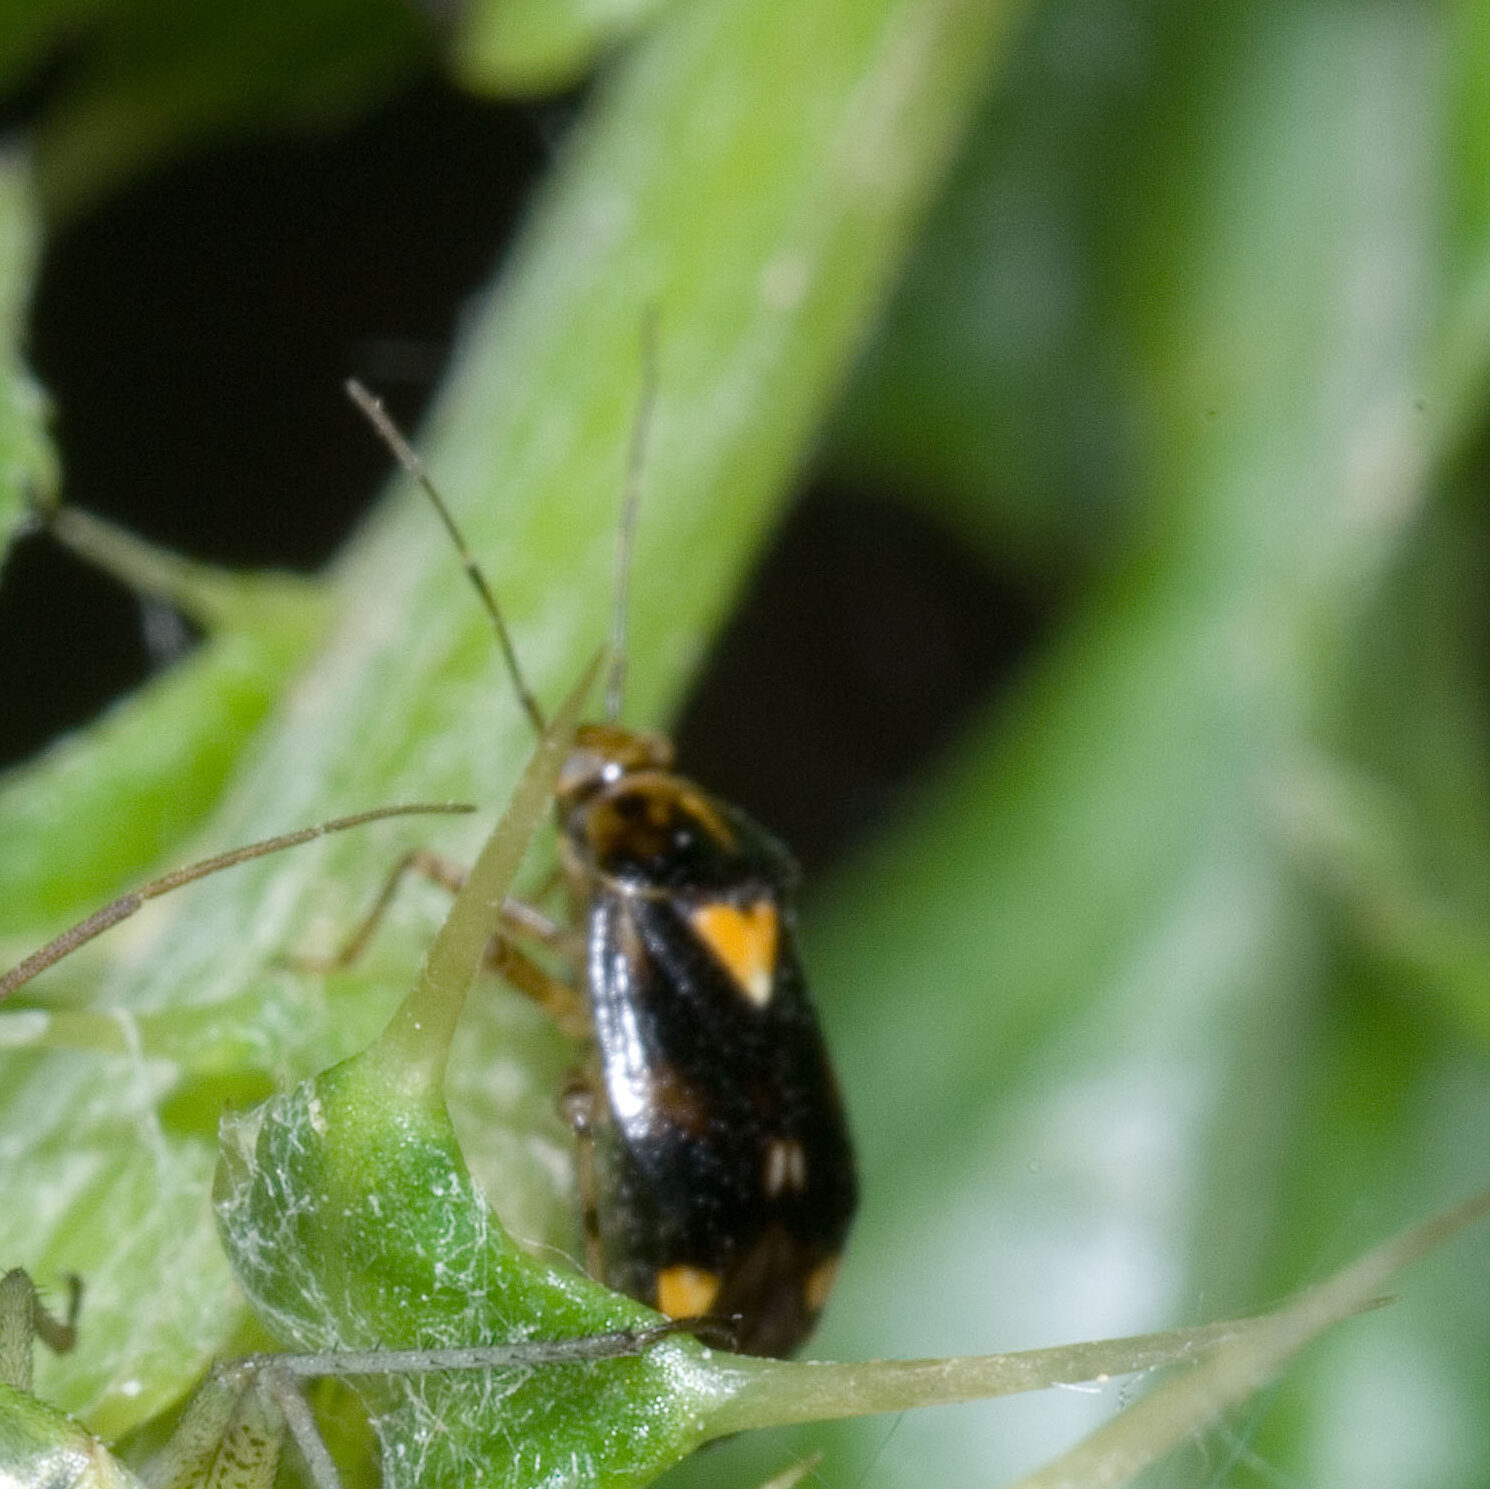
[{"x": 717, "y": 1169}]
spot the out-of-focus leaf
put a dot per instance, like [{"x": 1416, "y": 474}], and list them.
[
  {"x": 751, "y": 178},
  {"x": 153, "y": 81},
  {"x": 991, "y": 394},
  {"x": 28, "y": 32},
  {"x": 1186, "y": 1403},
  {"x": 1463, "y": 375},
  {"x": 28, "y": 464},
  {"x": 1084, "y": 963},
  {"x": 166, "y": 751},
  {"x": 534, "y": 46},
  {"x": 1164, "y": 995}
]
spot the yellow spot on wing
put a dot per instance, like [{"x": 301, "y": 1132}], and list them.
[
  {"x": 686, "y": 1292},
  {"x": 785, "y": 1167},
  {"x": 744, "y": 938}
]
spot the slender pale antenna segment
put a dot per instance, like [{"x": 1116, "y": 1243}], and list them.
[
  {"x": 403, "y": 451},
  {"x": 126, "y": 905},
  {"x": 615, "y": 682}
]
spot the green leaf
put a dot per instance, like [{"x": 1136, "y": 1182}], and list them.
[
  {"x": 148, "y": 82},
  {"x": 166, "y": 751},
  {"x": 28, "y": 465},
  {"x": 763, "y": 245},
  {"x": 531, "y": 46},
  {"x": 1163, "y": 993},
  {"x": 352, "y": 1222},
  {"x": 1124, "y": 1040}
]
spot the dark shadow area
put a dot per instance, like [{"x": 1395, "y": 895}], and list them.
[{"x": 195, "y": 333}]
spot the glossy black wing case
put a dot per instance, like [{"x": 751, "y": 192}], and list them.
[{"x": 724, "y": 1160}]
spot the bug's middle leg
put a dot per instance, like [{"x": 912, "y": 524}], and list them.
[
  {"x": 563, "y": 1003},
  {"x": 580, "y": 1104},
  {"x": 518, "y": 918}
]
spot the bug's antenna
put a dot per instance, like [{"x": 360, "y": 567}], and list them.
[
  {"x": 388, "y": 432},
  {"x": 127, "y": 904},
  {"x": 615, "y": 682}
]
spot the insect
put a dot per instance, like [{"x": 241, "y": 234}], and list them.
[
  {"x": 235, "y": 1425},
  {"x": 715, "y": 1166}
]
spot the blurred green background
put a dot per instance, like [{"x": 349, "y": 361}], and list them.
[{"x": 1127, "y": 366}]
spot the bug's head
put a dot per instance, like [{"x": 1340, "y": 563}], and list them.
[{"x": 603, "y": 753}]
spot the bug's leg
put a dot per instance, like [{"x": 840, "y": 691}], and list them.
[
  {"x": 561, "y": 1002},
  {"x": 520, "y": 918},
  {"x": 284, "y": 1395},
  {"x": 41, "y": 1447},
  {"x": 24, "y": 1319},
  {"x": 789, "y": 1478},
  {"x": 557, "y": 999},
  {"x": 428, "y": 865},
  {"x": 231, "y": 1434},
  {"x": 580, "y": 1104}
]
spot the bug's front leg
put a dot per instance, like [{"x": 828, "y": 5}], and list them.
[
  {"x": 563, "y": 1003},
  {"x": 24, "y": 1319},
  {"x": 421, "y": 861},
  {"x": 518, "y": 918}
]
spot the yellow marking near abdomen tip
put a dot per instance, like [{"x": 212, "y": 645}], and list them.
[
  {"x": 819, "y": 1284},
  {"x": 686, "y": 1292},
  {"x": 744, "y": 938}
]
